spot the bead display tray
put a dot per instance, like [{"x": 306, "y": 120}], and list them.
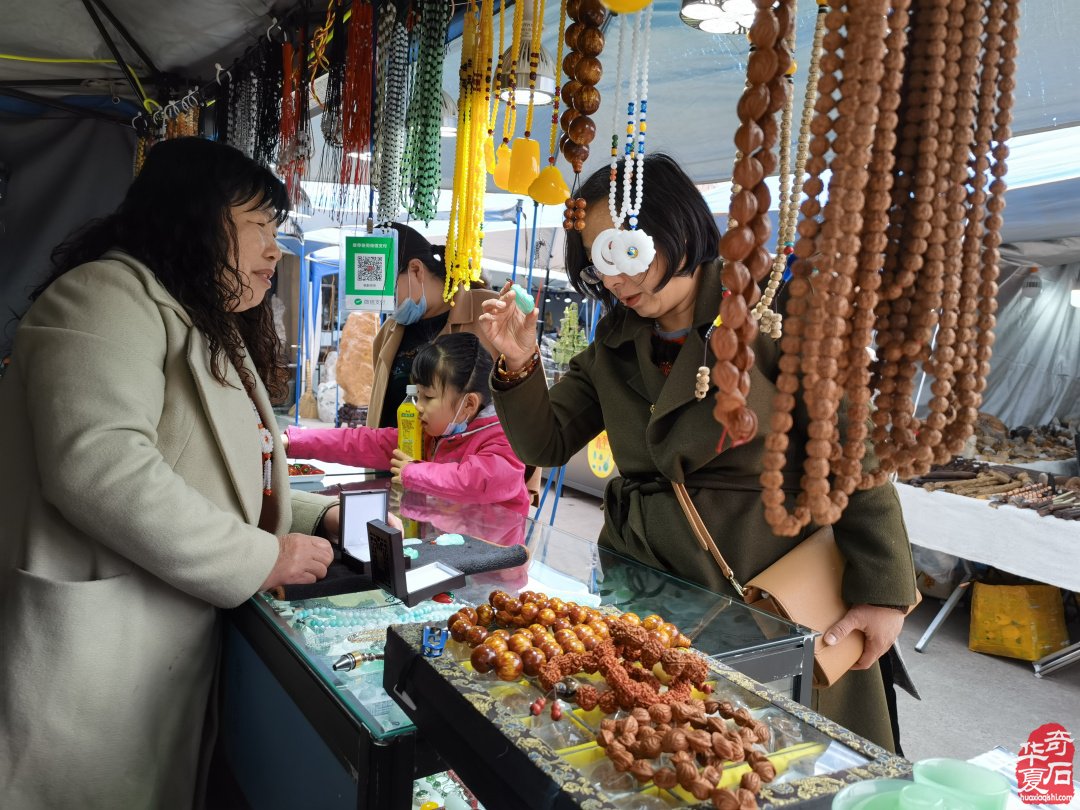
[
  {"x": 327, "y": 627},
  {"x": 483, "y": 729}
]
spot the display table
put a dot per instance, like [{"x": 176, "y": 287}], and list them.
[
  {"x": 1018, "y": 541},
  {"x": 296, "y": 733},
  {"x": 511, "y": 757},
  {"x": 1045, "y": 549}
]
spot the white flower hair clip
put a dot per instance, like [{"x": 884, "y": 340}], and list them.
[{"x": 615, "y": 251}]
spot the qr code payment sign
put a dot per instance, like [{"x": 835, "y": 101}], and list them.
[{"x": 369, "y": 272}]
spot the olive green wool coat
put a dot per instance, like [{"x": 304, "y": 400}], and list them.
[{"x": 659, "y": 433}]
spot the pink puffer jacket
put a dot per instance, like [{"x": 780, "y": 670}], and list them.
[{"x": 477, "y": 466}]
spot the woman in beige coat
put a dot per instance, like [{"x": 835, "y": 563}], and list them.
[{"x": 140, "y": 489}]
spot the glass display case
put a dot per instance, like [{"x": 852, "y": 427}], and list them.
[
  {"x": 280, "y": 681},
  {"x": 488, "y": 729}
]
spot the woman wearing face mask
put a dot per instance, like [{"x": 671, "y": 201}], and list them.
[
  {"x": 141, "y": 489},
  {"x": 421, "y": 316},
  {"x": 471, "y": 460},
  {"x": 637, "y": 381}
]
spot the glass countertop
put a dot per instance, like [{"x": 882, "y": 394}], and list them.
[{"x": 560, "y": 564}]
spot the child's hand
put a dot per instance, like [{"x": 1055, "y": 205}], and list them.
[
  {"x": 397, "y": 464},
  {"x": 285, "y": 441}
]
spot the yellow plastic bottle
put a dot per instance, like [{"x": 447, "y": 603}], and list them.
[{"x": 410, "y": 428}]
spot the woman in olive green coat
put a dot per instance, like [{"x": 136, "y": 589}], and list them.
[{"x": 636, "y": 380}]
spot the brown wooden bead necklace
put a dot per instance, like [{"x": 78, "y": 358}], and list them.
[
  {"x": 790, "y": 181},
  {"x": 746, "y": 262},
  {"x": 906, "y": 244},
  {"x": 584, "y": 41}
]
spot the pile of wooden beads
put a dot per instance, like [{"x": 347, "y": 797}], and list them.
[
  {"x": 580, "y": 96},
  {"x": 574, "y": 215},
  {"x": 1032, "y": 490},
  {"x": 629, "y": 685},
  {"x": 545, "y": 630},
  {"x": 698, "y": 741},
  {"x": 915, "y": 118},
  {"x": 746, "y": 262}
]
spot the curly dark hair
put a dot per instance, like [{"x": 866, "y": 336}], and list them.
[{"x": 175, "y": 220}]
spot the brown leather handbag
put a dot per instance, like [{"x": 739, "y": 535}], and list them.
[{"x": 803, "y": 586}]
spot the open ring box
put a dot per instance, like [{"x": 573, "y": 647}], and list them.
[{"x": 373, "y": 547}]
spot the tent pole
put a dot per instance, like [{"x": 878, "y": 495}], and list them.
[
  {"x": 517, "y": 239},
  {"x": 532, "y": 248}
]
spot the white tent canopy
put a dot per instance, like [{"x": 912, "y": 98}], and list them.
[{"x": 695, "y": 80}]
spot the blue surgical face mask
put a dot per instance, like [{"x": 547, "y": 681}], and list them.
[
  {"x": 409, "y": 311},
  {"x": 454, "y": 428}
]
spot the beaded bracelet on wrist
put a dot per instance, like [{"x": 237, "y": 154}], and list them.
[{"x": 502, "y": 374}]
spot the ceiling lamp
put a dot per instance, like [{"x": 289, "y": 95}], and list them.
[
  {"x": 545, "y": 90},
  {"x": 447, "y": 116},
  {"x": 718, "y": 16}
]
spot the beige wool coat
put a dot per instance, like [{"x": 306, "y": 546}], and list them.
[{"x": 130, "y": 495}]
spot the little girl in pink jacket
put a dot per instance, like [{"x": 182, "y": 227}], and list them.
[{"x": 471, "y": 460}]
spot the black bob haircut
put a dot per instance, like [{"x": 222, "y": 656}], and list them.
[
  {"x": 673, "y": 213},
  {"x": 413, "y": 245},
  {"x": 458, "y": 360}
]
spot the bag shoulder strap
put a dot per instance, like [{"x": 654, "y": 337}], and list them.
[{"x": 697, "y": 525}]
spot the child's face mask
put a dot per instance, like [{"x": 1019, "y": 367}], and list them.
[{"x": 453, "y": 427}]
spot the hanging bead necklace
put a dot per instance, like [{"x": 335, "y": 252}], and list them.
[
  {"x": 496, "y": 88},
  {"x": 390, "y": 134},
  {"x": 356, "y": 101},
  {"x": 534, "y": 61},
  {"x": 421, "y": 165},
  {"x": 632, "y": 251},
  {"x": 464, "y": 238},
  {"x": 331, "y": 46},
  {"x": 553, "y": 140},
  {"x": 619, "y": 214},
  {"x": 269, "y": 76},
  {"x": 791, "y": 182},
  {"x": 549, "y": 188},
  {"x": 502, "y": 155},
  {"x": 584, "y": 40},
  {"x": 510, "y": 112},
  {"x": 613, "y": 170},
  {"x": 645, "y": 24},
  {"x": 525, "y": 152}
]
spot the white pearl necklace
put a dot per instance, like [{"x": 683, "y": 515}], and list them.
[{"x": 637, "y": 93}]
